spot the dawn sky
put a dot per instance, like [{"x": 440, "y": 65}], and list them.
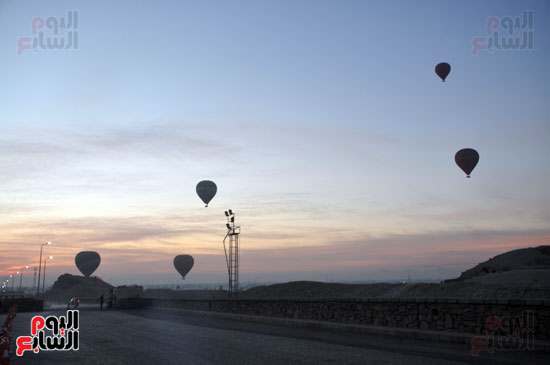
[{"x": 322, "y": 123}]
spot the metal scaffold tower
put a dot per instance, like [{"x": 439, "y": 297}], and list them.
[{"x": 232, "y": 252}]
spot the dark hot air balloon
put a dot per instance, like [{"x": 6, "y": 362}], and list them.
[
  {"x": 467, "y": 159},
  {"x": 206, "y": 190},
  {"x": 442, "y": 70},
  {"x": 184, "y": 264},
  {"x": 87, "y": 262}
]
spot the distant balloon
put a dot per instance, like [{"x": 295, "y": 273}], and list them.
[
  {"x": 467, "y": 159},
  {"x": 442, "y": 70},
  {"x": 87, "y": 262},
  {"x": 184, "y": 264},
  {"x": 206, "y": 190}
]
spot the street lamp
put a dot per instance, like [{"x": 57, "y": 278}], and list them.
[
  {"x": 40, "y": 266},
  {"x": 11, "y": 276},
  {"x": 21, "y": 277},
  {"x": 44, "y": 278}
]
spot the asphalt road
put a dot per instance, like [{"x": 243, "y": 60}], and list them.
[{"x": 168, "y": 337}]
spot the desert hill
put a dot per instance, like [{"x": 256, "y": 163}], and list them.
[
  {"x": 535, "y": 260},
  {"x": 522, "y": 273},
  {"x": 88, "y": 289},
  {"x": 309, "y": 289}
]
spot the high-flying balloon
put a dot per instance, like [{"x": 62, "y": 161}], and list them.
[
  {"x": 206, "y": 190},
  {"x": 467, "y": 159},
  {"x": 442, "y": 70},
  {"x": 184, "y": 264},
  {"x": 87, "y": 262}
]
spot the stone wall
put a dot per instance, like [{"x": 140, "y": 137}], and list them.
[
  {"x": 455, "y": 315},
  {"x": 133, "y": 303}
]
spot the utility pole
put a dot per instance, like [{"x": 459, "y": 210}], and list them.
[{"x": 34, "y": 279}]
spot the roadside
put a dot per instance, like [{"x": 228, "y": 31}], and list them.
[
  {"x": 412, "y": 342},
  {"x": 172, "y": 336}
]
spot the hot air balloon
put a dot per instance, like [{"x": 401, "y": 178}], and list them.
[
  {"x": 442, "y": 70},
  {"x": 206, "y": 190},
  {"x": 467, "y": 159},
  {"x": 87, "y": 262},
  {"x": 183, "y": 263}
]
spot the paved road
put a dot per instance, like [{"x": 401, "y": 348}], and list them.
[{"x": 168, "y": 337}]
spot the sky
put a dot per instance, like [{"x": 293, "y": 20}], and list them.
[{"x": 322, "y": 123}]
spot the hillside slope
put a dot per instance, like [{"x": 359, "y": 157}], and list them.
[{"x": 532, "y": 258}]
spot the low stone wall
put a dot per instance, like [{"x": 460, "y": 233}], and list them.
[
  {"x": 454, "y": 315},
  {"x": 134, "y": 303}
]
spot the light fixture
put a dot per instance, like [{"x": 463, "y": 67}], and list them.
[
  {"x": 233, "y": 219},
  {"x": 230, "y": 212},
  {"x": 228, "y": 226},
  {"x": 226, "y": 214}
]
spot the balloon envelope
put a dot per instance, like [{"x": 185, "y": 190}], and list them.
[
  {"x": 183, "y": 264},
  {"x": 206, "y": 190},
  {"x": 467, "y": 159},
  {"x": 442, "y": 70},
  {"x": 87, "y": 262}
]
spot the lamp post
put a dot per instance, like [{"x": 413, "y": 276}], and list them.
[
  {"x": 40, "y": 266},
  {"x": 21, "y": 277},
  {"x": 44, "y": 278},
  {"x": 11, "y": 277}
]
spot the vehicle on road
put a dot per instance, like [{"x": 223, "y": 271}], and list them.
[{"x": 73, "y": 303}]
